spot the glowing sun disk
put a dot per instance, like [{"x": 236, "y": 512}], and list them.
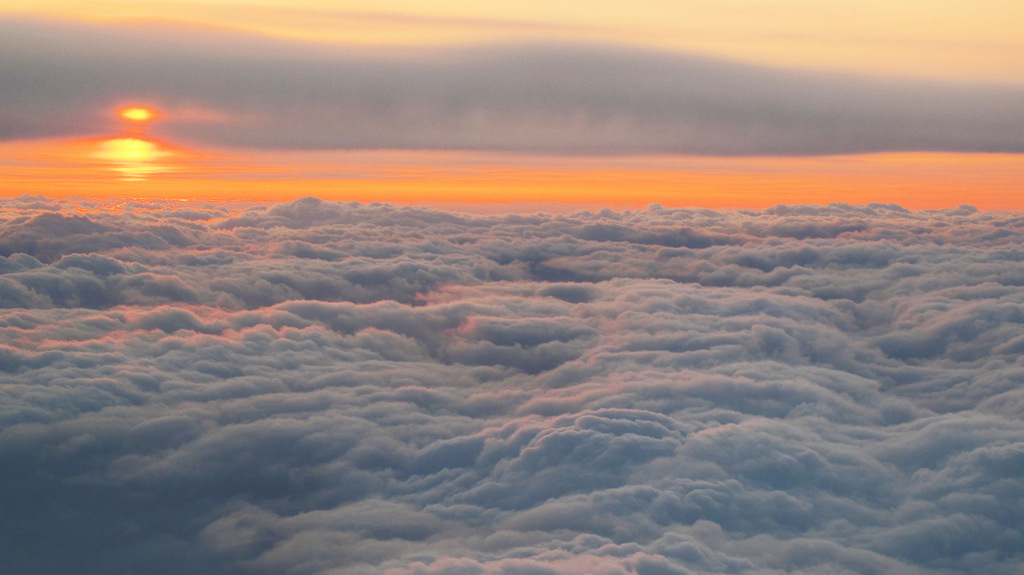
[{"x": 137, "y": 114}]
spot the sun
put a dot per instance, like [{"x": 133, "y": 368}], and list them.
[{"x": 137, "y": 114}]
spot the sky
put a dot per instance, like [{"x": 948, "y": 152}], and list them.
[
  {"x": 344, "y": 388},
  {"x": 740, "y": 103}
]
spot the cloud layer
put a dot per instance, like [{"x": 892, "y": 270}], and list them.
[
  {"x": 250, "y": 92},
  {"x": 324, "y": 388}
]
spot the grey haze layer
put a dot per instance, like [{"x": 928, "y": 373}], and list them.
[
  {"x": 231, "y": 89},
  {"x": 318, "y": 388}
]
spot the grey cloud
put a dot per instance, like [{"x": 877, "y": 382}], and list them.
[
  {"x": 561, "y": 99},
  {"x": 325, "y": 388}
]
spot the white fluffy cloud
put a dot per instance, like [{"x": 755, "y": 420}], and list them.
[{"x": 322, "y": 388}]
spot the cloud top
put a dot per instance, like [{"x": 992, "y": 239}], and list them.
[{"x": 325, "y": 388}]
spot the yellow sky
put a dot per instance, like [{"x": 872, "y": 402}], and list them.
[{"x": 951, "y": 39}]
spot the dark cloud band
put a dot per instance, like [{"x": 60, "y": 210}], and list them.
[{"x": 551, "y": 99}]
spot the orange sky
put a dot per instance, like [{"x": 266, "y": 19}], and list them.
[
  {"x": 913, "y": 180},
  {"x": 134, "y": 156}
]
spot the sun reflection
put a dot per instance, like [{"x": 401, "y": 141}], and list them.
[
  {"x": 130, "y": 151},
  {"x": 133, "y": 158}
]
